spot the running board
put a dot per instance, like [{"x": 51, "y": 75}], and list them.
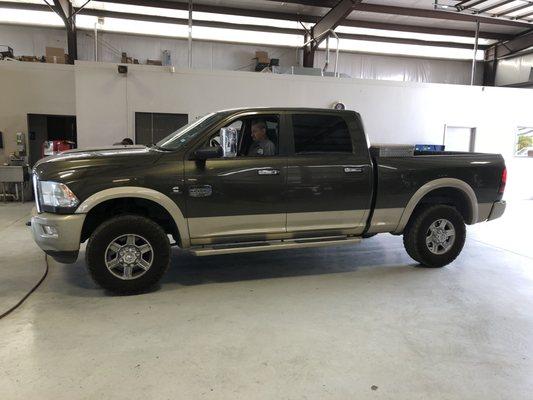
[{"x": 273, "y": 245}]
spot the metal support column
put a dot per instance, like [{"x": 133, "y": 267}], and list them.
[
  {"x": 475, "y": 54},
  {"x": 64, "y": 9},
  {"x": 96, "y": 41},
  {"x": 190, "y": 34}
]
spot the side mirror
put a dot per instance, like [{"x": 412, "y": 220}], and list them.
[
  {"x": 228, "y": 141},
  {"x": 207, "y": 152}
]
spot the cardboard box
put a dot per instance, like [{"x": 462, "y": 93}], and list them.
[
  {"x": 29, "y": 59},
  {"x": 55, "y": 55},
  {"x": 154, "y": 62},
  {"x": 262, "y": 57}
]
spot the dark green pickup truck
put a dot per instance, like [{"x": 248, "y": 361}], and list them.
[{"x": 260, "y": 179}]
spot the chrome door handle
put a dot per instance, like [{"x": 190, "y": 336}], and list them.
[
  {"x": 267, "y": 172},
  {"x": 350, "y": 170}
]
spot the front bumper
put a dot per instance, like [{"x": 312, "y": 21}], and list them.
[
  {"x": 64, "y": 244},
  {"x": 497, "y": 210}
]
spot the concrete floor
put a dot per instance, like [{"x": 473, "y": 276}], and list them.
[{"x": 351, "y": 322}]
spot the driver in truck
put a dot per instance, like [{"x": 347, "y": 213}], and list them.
[{"x": 262, "y": 145}]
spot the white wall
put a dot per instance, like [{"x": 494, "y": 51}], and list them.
[
  {"x": 224, "y": 56},
  {"x": 32, "y": 88},
  {"x": 394, "y": 112}
]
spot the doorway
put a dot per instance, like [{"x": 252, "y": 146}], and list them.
[
  {"x": 459, "y": 138},
  {"x": 43, "y": 127}
]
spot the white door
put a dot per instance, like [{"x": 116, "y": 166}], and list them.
[{"x": 459, "y": 138}]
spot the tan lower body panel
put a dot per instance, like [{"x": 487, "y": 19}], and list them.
[
  {"x": 385, "y": 219},
  {"x": 483, "y": 211},
  {"x": 234, "y": 225},
  {"x": 274, "y": 225},
  {"x": 314, "y": 221}
]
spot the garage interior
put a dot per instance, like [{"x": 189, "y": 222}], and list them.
[{"x": 353, "y": 321}]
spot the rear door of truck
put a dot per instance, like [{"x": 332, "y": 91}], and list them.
[{"x": 329, "y": 175}]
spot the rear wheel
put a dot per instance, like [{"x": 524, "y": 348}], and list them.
[
  {"x": 128, "y": 254},
  {"x": 435, "y": 235}
]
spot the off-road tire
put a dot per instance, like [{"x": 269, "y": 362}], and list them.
[
  {"x": 414, "y": 236},
  {"x": 104, "y": 234}
]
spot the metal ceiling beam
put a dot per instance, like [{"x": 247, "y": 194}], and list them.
[
  {"x": 333, "y": 18},
  {"x": 509, "y": 47},
  {"x": 473, "y": 4},
  {"x": 64, "y": 9},
  {"x": 437, "y": 14},
  {"x": 321, "y": 29},
  {"x": 423, "y": 12},
  {"x": 307, "y": 18},
  {"x": 496, "y": 5},
  {"x": 528, "y": 14},
  {"x": 347, "y": 22},
  {"x": 514, "y": 9}
]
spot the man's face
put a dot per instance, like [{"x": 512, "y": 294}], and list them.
[{"x": 258, "y": 132}]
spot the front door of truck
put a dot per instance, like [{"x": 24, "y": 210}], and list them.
[
  {"x": 240, "y": 198},
  {"x": 329, "y": 177}
]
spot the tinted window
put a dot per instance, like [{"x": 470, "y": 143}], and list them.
[{"x": 320, "y": 133}]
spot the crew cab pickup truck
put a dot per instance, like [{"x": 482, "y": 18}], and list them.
[{"x": 258, "y": 179}]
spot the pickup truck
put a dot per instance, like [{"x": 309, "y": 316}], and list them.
[{"x": 256, "y": 179}]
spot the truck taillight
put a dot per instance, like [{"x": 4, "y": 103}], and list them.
[{"x": 503, "y": 181}]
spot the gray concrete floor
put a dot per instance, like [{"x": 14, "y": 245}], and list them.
[{"x": 357, "y": 322}]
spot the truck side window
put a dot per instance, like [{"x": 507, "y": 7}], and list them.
[
  {"x": 252, "y": 143},
  {"x": 316, "y": 133}
]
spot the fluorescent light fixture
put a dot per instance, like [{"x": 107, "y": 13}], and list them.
[
  {"x": 237, "y": 19},
  {"x": 132, "y": 26},
  {"x": 404, "y": 49},
  {"x": 235, "y": 35},
  {"x": 44, "y": 18},
  {"x": 411, "y": 35},
  {"x": 26, "y": 1},
  {"x": 197, "y": 15},
  {"x": 127, "y": 8}
]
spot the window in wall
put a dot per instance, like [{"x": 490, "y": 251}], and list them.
[
  {"x": 315, "y": 133},
  {"x": 152, "y": 127},
  {"x": 524, "y": 142}
]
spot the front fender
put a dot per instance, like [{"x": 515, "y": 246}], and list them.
[{"x": 144, "y": 193}]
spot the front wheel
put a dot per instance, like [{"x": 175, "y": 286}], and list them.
[
  {"x": 128, "y": 254},
  {"x": 435, "y": 235}
]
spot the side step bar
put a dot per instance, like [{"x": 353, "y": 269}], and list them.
[{"x": 274, "y": 245}]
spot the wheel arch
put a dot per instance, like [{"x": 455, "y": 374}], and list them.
[
  {"x": 136, "y": 192},
  {"x": 441, "y": 186}
]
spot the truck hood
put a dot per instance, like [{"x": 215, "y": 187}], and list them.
[
  {"x": 82, "y": 163},
  {"x": 115, "y": 151}
]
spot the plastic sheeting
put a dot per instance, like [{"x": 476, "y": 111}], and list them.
[
  {"x": 516, "y": 70},
  {"x": 394, "y": 68}
]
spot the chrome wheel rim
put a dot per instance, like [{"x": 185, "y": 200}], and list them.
[
  {"x": 129, "y": 256},
  {"x": 440, "y": 236}
]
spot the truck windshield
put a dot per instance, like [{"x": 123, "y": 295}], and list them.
[{"x": 178, "y": 138}]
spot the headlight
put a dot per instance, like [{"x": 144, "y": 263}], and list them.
[{"x": 55, "y": 194}]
